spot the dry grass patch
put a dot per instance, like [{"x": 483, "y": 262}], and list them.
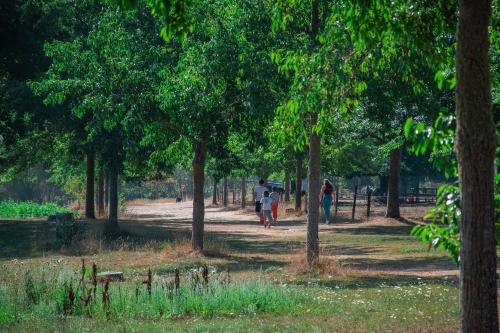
[{"x": 327, "y": 266}]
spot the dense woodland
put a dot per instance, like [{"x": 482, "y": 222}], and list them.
[{"x": 98, "y": 93}]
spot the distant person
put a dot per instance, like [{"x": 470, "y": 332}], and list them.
[
  {"x": 266, "y": 202},
  {"x": 326, "y": 198},
  {"x": 258, "y": 193},
  {"x": 184, "y": 193},
  {"x": 275, "y": 197}
]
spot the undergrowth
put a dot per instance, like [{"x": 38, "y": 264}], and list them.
[
  {"x": 50, "y": 294},
  {"x": 26, "y": 209}
]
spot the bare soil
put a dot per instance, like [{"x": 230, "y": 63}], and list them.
[{"x": 373, "y": 246}]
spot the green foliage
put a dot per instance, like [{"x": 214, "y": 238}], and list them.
[
  {"x": 11, "y": 209},
  {"x": 443, "y": 230},
  {"x": 174, "y": 15},
  {"x": 436, "y": 140}
]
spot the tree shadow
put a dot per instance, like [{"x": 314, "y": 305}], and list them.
[
  {"x": 380, "y": 282},
  {"x": 407, "y": 264},
  {"x": 376, "y": 230}
]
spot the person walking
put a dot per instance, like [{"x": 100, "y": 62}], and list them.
[
  {"x": 266, "y": 202},
  {"x": 258, "y": 193},
  {"x": 326, "y": 198},
  {"x": 275, "y": 197}
]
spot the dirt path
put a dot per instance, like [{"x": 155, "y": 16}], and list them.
[{"x": 375, "y": 246}]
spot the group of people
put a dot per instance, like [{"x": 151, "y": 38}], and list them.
[{"x": 266, "y": 203}]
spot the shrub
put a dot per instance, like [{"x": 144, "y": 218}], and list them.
[{"x": 11, "y": 209}]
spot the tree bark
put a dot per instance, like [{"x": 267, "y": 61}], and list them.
[
  {"x": 475, "y": 149},
  {"x": 243, "y": 192},
  {"x": 100, "y": 191},
  {"x": 224, "y": 199},
  {"x": 106, "y": 191},
  {"x": 113, "y": 198},
  {"x": 393, "y": 188},
  {"x": 313, "y": 183},
  {"x": 234, "y": 192},
  {"x": 200, "y": 154},
  {"x": 287, "y": 182},
  {"x": 313, "y": 195},
  {"x": 89, "y": 193},
  {"x": 298, "y": 184},
  {"x": 214, "y": 194}
]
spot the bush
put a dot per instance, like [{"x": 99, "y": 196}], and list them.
[{"x": 28, "y": 209}]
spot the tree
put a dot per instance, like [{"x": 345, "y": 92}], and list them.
[
  {"x": 89, "y": 82},
  {"x": 419, "y": 27},
  {"x": 475, "y": 148}
]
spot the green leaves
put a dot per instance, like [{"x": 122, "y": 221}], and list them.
[
  {"x": 435, "y": 141},
  {"x": 443, "y": 230}
]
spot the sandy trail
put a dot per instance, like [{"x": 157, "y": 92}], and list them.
[{"x": 243, "y": 224}]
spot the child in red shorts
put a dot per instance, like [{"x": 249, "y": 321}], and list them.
[{"x": 275, "y": 197}]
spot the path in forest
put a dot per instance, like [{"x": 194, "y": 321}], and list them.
[{"x": 376, "y": 246}]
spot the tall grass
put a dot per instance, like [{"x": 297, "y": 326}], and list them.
[
  {"x": 49, "y": 294},
  {"x": 28, "y": 209}
]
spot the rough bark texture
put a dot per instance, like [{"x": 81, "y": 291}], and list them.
[
  {"x": 313, "y": 183},
  {"x": 243, "y": 192},
  {"x": 224, "y": 198},
  {"x": 200, "y": 154},
  {"x": 113, "y": 198},
  {"x": 475, "y": 148},
  {"x": 89, "y": 193},
  {"x": 298, "y": 184},
  {"x": 393, "y": 186},
  {"x": 100, "y": 192},
  {"x": 287, "y": 182},
  {"x": 312, "y": 243},
  {"x": 214, "y": 193}
]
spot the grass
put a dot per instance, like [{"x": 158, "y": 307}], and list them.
[
  {"x": 27, "y": 209},
  {"x": 352, "y": 288},
  {"x": 39, "y": 299}
]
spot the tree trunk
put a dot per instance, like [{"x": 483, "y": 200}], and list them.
[
  {"x": 393, "y": 188},
  {"x": 234, "y": 192},
  {"x": 89, "y": 193},
  {"x": 287, "y": 182},
  {"x": 298, "y": 184},
  {"x": 224, "y": 200},
  {"x": 113, "y": 198},
  {"x": 243, "y": 192},
  {"x": 313, "y": 195},
  {"x": 475, "y": 149},
  {"x": 214, "y": 194},
  {"x": 200, "y": 153},
  {"x": 106, "y": 190},
  {"x": 100, "y": 192}
]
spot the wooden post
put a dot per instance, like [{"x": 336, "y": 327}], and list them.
[
  {"x": 354, "y": 201},
  {"x": 368, "y": 201},
  {"x": 337, "y": 193}
]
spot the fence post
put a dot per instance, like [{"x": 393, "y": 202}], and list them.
[
  {"x": 368, "y": 203},
  {"x": 337, "y": 192},
  {"x": 354, "y": 201}
]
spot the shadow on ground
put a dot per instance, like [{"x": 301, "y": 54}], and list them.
[{"x": 242, "y": 250}]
